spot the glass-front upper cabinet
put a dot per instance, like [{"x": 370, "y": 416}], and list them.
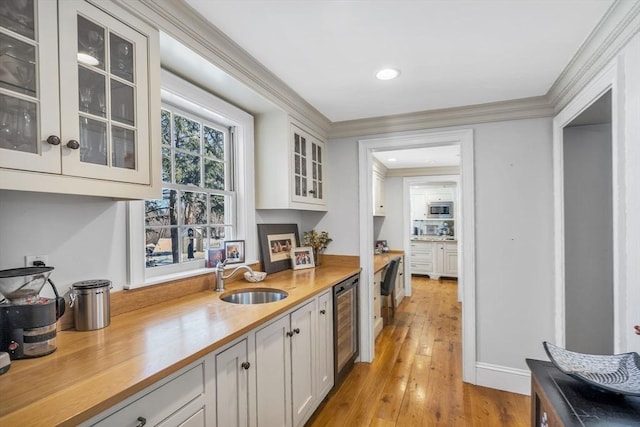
[
  {"x": 104, "y": 112},
  {"x": 28, "y": 86},
  {"x": 74, "y": 91},
  {"x": 308, "y": 167}
]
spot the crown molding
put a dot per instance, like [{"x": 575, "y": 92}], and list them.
[
  {"x": 429, "y": 171},
  {"x": 491, "y": 112},
  {"x": 615, "y": 30},
  {"x": 181, "y": 22}
]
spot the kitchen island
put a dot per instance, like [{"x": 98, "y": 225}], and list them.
[{"x": 92, "y": 371}]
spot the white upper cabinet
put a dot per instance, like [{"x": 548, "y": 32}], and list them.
[
  {"x": 290, "y": 165},
  {"x": 79, "y": 100},
  {"x": 378, "y": 179}
]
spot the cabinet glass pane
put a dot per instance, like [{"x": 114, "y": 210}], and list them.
[
  {"x": 17, "y": 66},
  {"x": 303, "y": 146},
  {"x": 303, "y": 166},
  {"x": 296, "y": 145},
  {"x": 296, "y": 163},
  {"x": 297, "y": 190},
  {"x": 187, "y": 169},
  {"x": 303, "y": 187},
  {"x": 122, "y": 103},
  {"x": 121, "y": 57},
  {"x": 91, "y": 92},
  {"x": 123, "y": 153},
  {"x": 93, "y": 141},
  {"x": 18, "y": 16},
  {"x": 90, "y": 43},
  {"x": 18, "y": 124},
  {"x": 214, "y": 174},
  {"x": 319, "y": 148}
]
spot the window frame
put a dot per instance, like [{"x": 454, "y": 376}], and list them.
[{"x": 193, "y": 100}]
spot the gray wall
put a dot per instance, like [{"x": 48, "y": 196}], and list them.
[
  {"x": 588, "y": 239},
  {"x": 514, "y": 233}
]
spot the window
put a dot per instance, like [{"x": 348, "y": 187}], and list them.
[
  {"x": 208, "y": 187},
  {"x": 196, "y": 211}
]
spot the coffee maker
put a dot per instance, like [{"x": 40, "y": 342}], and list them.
[{"x": 27, "y": 320}]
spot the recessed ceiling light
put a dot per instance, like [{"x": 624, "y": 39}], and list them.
[
  {"x": 393, "y": 159},
  {"x": 387, "y": 74}
]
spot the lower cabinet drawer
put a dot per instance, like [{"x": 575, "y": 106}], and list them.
[
  {"x": 421, "y": 268},
  {"x": 161, "y": 402}
]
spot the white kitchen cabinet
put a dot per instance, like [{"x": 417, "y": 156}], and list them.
[
  {"x": 178, "y": 400},
  {"x": 285, "y": 368},
  {"x": 93, "y": 128},
  {"x": 324, "y": 345},
  {"x": 232, "y": 385},
  {"x": 377, "y": 303},
  {"x": 290, "y": 165},
  {"x": 449, "y": 265},
  {"x": 378, "y": 189},
  {"x": 418, "y": 207},
  {"x": 421, "y": 257}
]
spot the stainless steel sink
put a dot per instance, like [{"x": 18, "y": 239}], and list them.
[{"x": 254, "y": 296}]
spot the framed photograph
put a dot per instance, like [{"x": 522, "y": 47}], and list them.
[
  {"x": 302, "y": 258},
  {"x": 213, "y": 256},
  {"x": 234, "y": 251},
  {"x": 276, "y": 242}
]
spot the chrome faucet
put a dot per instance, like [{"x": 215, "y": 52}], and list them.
[{"x": 220, "y": 277}]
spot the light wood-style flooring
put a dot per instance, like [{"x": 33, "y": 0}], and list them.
[{"x": 416, "y": 376}]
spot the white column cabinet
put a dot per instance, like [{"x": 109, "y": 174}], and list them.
[
  {"x": 93, "y": 128},
  {"x": 325, "y": 346},
  {"x": 290, "y": 165},
  {"x": 286, "y": 370},
  {"x": 232, "y": 385}
]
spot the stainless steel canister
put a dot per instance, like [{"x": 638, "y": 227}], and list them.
[{"x": 90, "y": 300}]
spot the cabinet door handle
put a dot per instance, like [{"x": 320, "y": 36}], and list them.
[
  {"x": 311, "y": 192},
  {"x": 245, "y": 365},
  {"x": 53, "y": 140},
  {"x": 289, "y": 334},
  {"x": 73, "y": 144},
  {"x": 142, "y": 421},
  {"x": 323, "y": 311},
  {"x": 296, "y": 330}
]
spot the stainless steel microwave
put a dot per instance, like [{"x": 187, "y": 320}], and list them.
[{"x": 437, "y": 210}]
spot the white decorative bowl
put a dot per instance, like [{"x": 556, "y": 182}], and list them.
[{"x": 258, "y": 276}]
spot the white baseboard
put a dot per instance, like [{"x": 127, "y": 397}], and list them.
[{"x": 503, "y": 378}]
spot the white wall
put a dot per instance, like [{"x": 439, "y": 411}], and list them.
[
  {"x": 84, "y": 237},
  {"x": 588, "y": 237},
  {"x": 514, "y": 231}
]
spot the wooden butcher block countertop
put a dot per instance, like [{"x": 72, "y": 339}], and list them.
[{"x": 92, "y": 371}]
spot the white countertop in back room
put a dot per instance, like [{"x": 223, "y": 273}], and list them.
[{"x": 433, "y": 239}]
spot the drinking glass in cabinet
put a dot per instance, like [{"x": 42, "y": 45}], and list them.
[
  {"x": 18, "y": 16},
  {"x": 123, "y": 154},
  {"x": 121, "y": 57},
  {"x": 90, "y": 43},
  {"x": 93, "y": 141},
  {"x": 91, "y": 92},
  {"x": 17, "y": 66},
  {"x": 18, "y": 124},
  {"x": 122, "y": 106}
]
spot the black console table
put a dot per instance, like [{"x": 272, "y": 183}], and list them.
[{"x": 559, "y": 400}]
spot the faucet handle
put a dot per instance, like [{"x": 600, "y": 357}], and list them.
[{"x": 221, "y": 264}]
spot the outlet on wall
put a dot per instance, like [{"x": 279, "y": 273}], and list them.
[{"x": 30, "y": 259}]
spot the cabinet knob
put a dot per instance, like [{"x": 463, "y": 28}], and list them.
[
  {"x": 296, "y": 330},
  {"x": 323, "y": 311},
  {"x": 73, "y": 144},
  {"x": 311, "y": 192},
  {"x": 245, "y": 365},
  {"x": 142, "y": 421},
  {"x": 289, "y": 334},
  {"x": 53, "y": 140}
]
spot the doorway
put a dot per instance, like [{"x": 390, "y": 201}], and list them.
[
  {"x": 463, "y": 138},
  {"x": 590, "y": 307}
]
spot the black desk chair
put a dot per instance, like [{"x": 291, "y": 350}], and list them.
[{"x": 388, "y": 287}]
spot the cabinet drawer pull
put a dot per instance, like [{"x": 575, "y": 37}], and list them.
[
  {"x": 142, "y": 421},
  {"x": 245, "y": 365},
  {"x": 53, "y": 140},
  {"x": 73, "y": 144}
]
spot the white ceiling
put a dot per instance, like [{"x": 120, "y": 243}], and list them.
[
  {"x": 450, "y": 52},
  {"x": 447, "y": 155}
]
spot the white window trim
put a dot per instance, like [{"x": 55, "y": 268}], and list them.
[{"x": 191, "y": 98}]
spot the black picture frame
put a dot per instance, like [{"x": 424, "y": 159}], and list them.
[{"x": 276, "y": 242}]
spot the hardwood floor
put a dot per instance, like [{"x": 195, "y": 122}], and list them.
[{"x": 416, "y": 376}]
